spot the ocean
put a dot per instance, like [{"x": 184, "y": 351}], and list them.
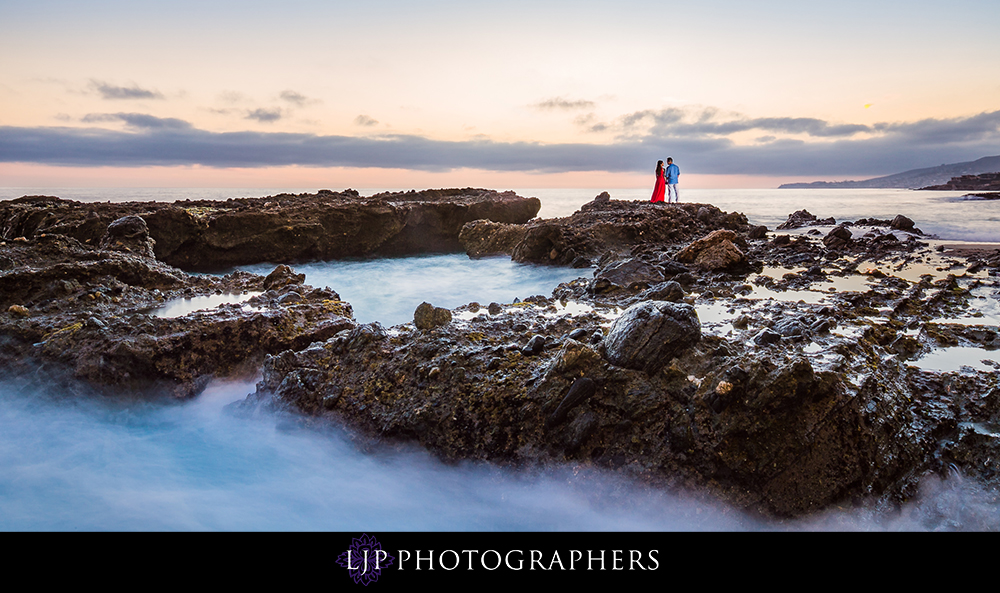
[{"x": 86, "y": 462}]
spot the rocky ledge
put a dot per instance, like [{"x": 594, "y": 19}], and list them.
[
  {"x": 211, "y": 235},
  {"x": 781, "y": 371},
  {"x": 601, "y": 228},
  {"x": 981, "y": 182}
]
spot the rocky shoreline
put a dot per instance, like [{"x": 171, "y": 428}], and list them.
[
  {"x": 205, "y": 235},
  {"x": 774, "y": 368},
  {"x": 980, "y": 183}
]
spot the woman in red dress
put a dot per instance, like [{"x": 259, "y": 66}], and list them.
[{"x": 661, "y": 183}]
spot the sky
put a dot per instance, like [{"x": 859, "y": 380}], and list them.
[{"x": 385, "y": 93}]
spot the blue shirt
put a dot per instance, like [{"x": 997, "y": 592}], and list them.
[{"x": 672, "y": 172}]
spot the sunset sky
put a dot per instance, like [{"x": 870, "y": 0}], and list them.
[{"x": 493, "y": 94}]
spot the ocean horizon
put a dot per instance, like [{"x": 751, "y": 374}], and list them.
[{"x": 949, "y": 215}]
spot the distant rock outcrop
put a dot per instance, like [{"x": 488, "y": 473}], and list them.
[
  {"x": 913, "y": 179},
  {"x": 981, "y": 182}
]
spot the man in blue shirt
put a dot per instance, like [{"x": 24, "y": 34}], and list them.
[{"x": 672, "y": 172}]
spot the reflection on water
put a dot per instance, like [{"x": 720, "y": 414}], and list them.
[
  {"x": 182, "y": 306},
  {"x": 389, "y": 290},
  {"x": 953, "y": 359}
]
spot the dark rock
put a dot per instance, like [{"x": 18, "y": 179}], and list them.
[
  {"x": 427, "y": 316},
  {"x": 129, "y": 234},
  {"x": 804, "y": 218},
  {"x": 534, "y": 346},
  {"x": 789, "y": 328},
  {"x": 282, "y": 276},
  {"x": 495, "y": 309},
  {"x": 671, "y": 267},
  {"x": 757, "y": 232},
  {"x": 665, "y": 291},
  {"x": 649, "y": 334},
  {"x": 715, "y": 251},
  {"x": 581, "y": 390},
  {"x": 767, "y": 336},
  {"x": 630, "y": 273},
  {"x": 901, "y": 223},
  {"x": 839, "y": 236}
]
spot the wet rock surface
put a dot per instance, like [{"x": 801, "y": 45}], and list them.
[
  {"x": 211, "y": 235},
  {"x": 91, "y": 314},
  {"x": 649, "y": 334},
  {"x": 427, "y": 316},
  {"x": 796, "y": 380},
  {"x": 715, "y": 251},
  {"x": 601, "y": 226}
]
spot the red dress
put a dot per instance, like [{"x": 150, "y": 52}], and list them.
[{"x": 659, "y": 188}]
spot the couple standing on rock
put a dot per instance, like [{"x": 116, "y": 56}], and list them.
[{"x": 666, "y": 181}]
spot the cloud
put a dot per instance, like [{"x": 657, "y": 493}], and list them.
[
  {"x": 687, "y": 123},
  {"x": 110, "y": 91},
  {"x": 265, "y": 116},
  {"x": 888, "y": 148},
  {"x": 936, "y": 131},
  {"x": 295, "y": 98},
  {"x": 364, "y": 120},
  {"x": 563, "y": 104},
  {"x": 139, "y": 121},
  {"x": 231, "y": 96}
]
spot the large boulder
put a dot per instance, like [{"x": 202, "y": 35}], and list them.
[
  {"x": 715, "y": 251},
  {"x": 902, "y": 223},
  {"x": 649, "y": 334},
  {"x": 839, "y": 236},
  {"x": 427, "y": 316},
  {"x": 130, "y": 235},
  {"x": 629, "y": 273}
]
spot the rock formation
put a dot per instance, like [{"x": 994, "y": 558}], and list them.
[
  {"x": 600, "y": 227},
  {"x": 213, "y": 235},
  {"x": 980, "y": 182}
]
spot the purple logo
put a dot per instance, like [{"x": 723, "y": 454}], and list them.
[{"x": 365, "y": 559}]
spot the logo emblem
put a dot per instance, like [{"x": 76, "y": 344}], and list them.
[{"x": 365, "y": 559}]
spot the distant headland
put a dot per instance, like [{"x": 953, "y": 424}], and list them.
[{"x": 913, "y": 179}]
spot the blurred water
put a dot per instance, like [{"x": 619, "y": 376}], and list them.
[
  {"x": 389, "y": 290},
  {"x": 70, "y": 463},
  {"x": 92, "y": 464}
]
